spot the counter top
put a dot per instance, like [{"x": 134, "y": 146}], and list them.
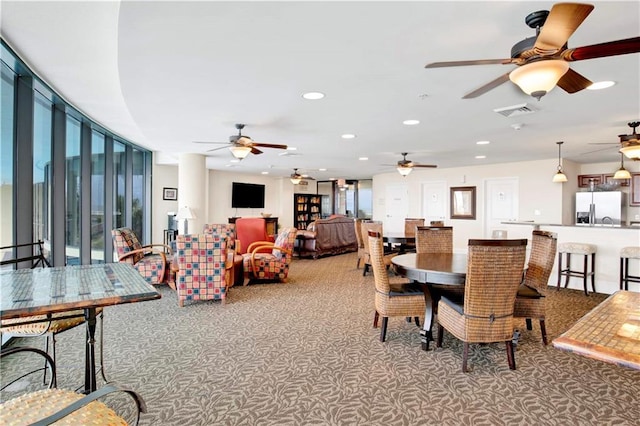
[{"x": 537, "y": 225}]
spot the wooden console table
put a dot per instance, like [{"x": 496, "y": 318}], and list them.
[{"x": 272, "y": 224}]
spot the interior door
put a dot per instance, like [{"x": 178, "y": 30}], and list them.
[
  {"x": 434, "y": 201},
  {"x": 396, "y": 207},
  {"x": 501, "y": 204}
]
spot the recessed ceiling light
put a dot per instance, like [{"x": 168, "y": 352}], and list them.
[
  {"x": 291, "y": 148},
  {"x": 363, "y": 158},
  {"x": 601, "y": 85},
  {"x": 481, "y": 156},
  {"x": 411, "y": 122},
  {"x": 483, "y": 143},
  {"x": 348, "y": 136},
  {"x": 312, "y": 96},
  {"x": 235, "y": 160},
  {"x": 322, "y": 170},
  {"x": 265, "y": 173}
]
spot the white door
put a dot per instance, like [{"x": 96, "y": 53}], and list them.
[
  {"x": 501, "y": 204},
  {"x": 396, "y": 207},
  {"x": 434, "y": 201}
]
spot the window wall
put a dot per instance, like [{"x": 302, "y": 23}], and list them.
[{"x": 74, "y": 179}]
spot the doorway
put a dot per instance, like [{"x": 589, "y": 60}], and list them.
[
  {"x": 396, "y": 207},
  {"x": 501, "y": 203}
]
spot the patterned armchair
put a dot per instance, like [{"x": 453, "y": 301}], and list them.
[
  {"x": 151, "y": 263},
  {"x": 202, "y": 267},
  {"x": 273, "y": 265},
  {"x": 228, "y": 230}
]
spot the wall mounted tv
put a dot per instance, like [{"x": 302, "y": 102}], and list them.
[{"x": 247, "y": 195}]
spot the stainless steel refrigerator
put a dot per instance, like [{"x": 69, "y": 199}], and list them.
[{"x": 600, "y": 208}]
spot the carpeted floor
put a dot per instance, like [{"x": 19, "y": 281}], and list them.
[{"x": 305, "y": 353}]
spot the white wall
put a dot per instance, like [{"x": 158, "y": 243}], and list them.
[{"x": 536, "y": 192}]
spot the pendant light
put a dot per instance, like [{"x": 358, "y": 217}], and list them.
[
  {"x": 559, "y": 177},
  {"x": 622, "y": 173}
]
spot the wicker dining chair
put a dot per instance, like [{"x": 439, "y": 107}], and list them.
[
  {"x": 357, "y": 223},
  {"x": 59, "y": 406},
  {"x": 410, "y": 225},
  {"x": 391, "y": 300},
  {"x": 373, "y": 226},
  {"x": 494, "y": 271},
  {"x": 530, "y": 299},
  {"x": 434, "y": 239}
]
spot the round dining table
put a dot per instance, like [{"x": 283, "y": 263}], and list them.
[
  {"x": 435, "y": 271},
  {"x": 399, "y": 238}
]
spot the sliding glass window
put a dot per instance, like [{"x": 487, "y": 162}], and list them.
[
  {"x": 7, "y": 135},
  {"x": 137, "y": 210},
  {"x": 72, "y": 192},
  {"x": 42, "y": 169},
  {"x": 119, "y": 167},
  {"x": 97, "y": 197}
]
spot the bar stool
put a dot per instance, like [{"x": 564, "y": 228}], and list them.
[
  {"x": 625, "y": 254},
  {"x": 582, "y": 249}
]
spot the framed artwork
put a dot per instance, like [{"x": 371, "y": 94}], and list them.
[
  {"x": 634, "y": 194},
  {"x": 463, "y": 202},
  {"x": 170, "y": 194}
]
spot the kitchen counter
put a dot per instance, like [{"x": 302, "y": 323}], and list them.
[{"x": 608, "y": 238}]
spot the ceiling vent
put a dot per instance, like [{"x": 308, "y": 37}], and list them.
[{"x": 514, "y": 110}]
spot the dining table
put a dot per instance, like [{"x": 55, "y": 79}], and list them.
[
  {"x": 45, "y": 291},
  {"x": 610, "y": 332},
  {"x": 435, "y": 272},
  {"x": 400, "y": 239}
]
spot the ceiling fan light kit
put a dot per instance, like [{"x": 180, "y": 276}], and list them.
[
  {"x": 404, "y": 171},
  {"x": 631, "y": 143},
  {"x": 538, "y": 78},
  {"x": 240, "y": 152},
  {"x": 559, "y": 177}
]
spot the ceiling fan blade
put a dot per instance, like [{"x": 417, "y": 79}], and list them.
[
  {"x": 255, "y": 151},
  {"x": 210, "y": 142},
  {"x": 602, "y": 50},
  {"x": 217, "y": 149},
  {"x": 598, "y": 150},
  {"x": 572, "y": 82},
  {"x": 489, "y": 86},
  {"x": 464, "y": 63},
  {"x": 431, "y": 166},
  {"x": 563, "y": 20},
  {"x": 269, "y": 145}
]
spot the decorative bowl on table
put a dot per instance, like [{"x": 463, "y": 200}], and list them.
[{"x": 265, "y": 214}]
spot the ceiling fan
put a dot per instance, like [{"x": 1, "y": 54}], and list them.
[
  {"x": 296, "y": 177},
  {"x": 242, "y": 145},
  {"x": 405, "y": 166},
  {"x": 629, "y": 144},
  {"x": 543, "y": 60}
]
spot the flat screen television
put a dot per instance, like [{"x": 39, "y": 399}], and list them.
[{"x": 247, "y": 195}]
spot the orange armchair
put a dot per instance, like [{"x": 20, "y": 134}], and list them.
[{"x": 273, "y": 265}]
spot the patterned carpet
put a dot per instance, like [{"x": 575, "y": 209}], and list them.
[{"x": 305, "y": 353}]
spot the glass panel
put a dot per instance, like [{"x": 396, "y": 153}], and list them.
[
  {"x": 137, "y": 210},
  {"x": 365, "y": 199},
  {"x": 97, "y": 197},
  {"x": 119, "y": 165},
  {"x": 42, "y": 170},
  {"x": 7, "y": 133},
  {"x": 72, "y": 192}
]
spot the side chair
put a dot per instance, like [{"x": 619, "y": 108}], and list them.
[
  {"x": 202, "y": 267},
  {"x": 274, "y": 264},
  {"x": 59, "y": 406},
  {"x": 391, "y": 300},
  {"x": 373, "y": 226},
  {"x": 530, "y": 299},
  {"x": 494, "y": 272},
  {"x": 410, "y": 225},
  {"x": 149, "y": 260}
]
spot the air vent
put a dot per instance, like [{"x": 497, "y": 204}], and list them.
[{"x": 514, "y": 110}]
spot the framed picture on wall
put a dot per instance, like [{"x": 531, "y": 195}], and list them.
[
  {"x": 170, "y": 194},
  {"x": 463, "y": 202}
]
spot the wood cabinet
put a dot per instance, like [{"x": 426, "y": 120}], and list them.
[
  {"x": 272, "y": 224},
  {"x": 634, "y": 196},
  {"x": 585, "y": 180},
  {"x": 306, "y": 209}
]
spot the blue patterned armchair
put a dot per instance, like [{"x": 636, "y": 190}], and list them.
[
  {"x": 273, "y": 265},
  {"x": 202, "y": 267},
  {"x": 150, "y": 262}
]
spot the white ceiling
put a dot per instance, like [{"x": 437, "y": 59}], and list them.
[{"x": 165, "y": 74}]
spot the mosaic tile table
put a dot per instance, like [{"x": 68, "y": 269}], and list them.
[
  {"x": 42, "y": 291},
  {"x": 610, "y": 332}
]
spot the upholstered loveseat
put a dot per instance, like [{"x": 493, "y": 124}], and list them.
[{"x": 335, "y": 235}]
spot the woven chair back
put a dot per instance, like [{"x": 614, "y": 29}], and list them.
[
  {"x": 358, "y": 226},
  {"x": 494, "y": 272},
  {"x": 376, "y": 259},
  {"x": 410, "y": 225},
  {"x": 436, "y": 223},
  {"x": 432, "y": 239},
  {"x": 543, "y": 252},
  {"x": 369, "y": 226}
]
